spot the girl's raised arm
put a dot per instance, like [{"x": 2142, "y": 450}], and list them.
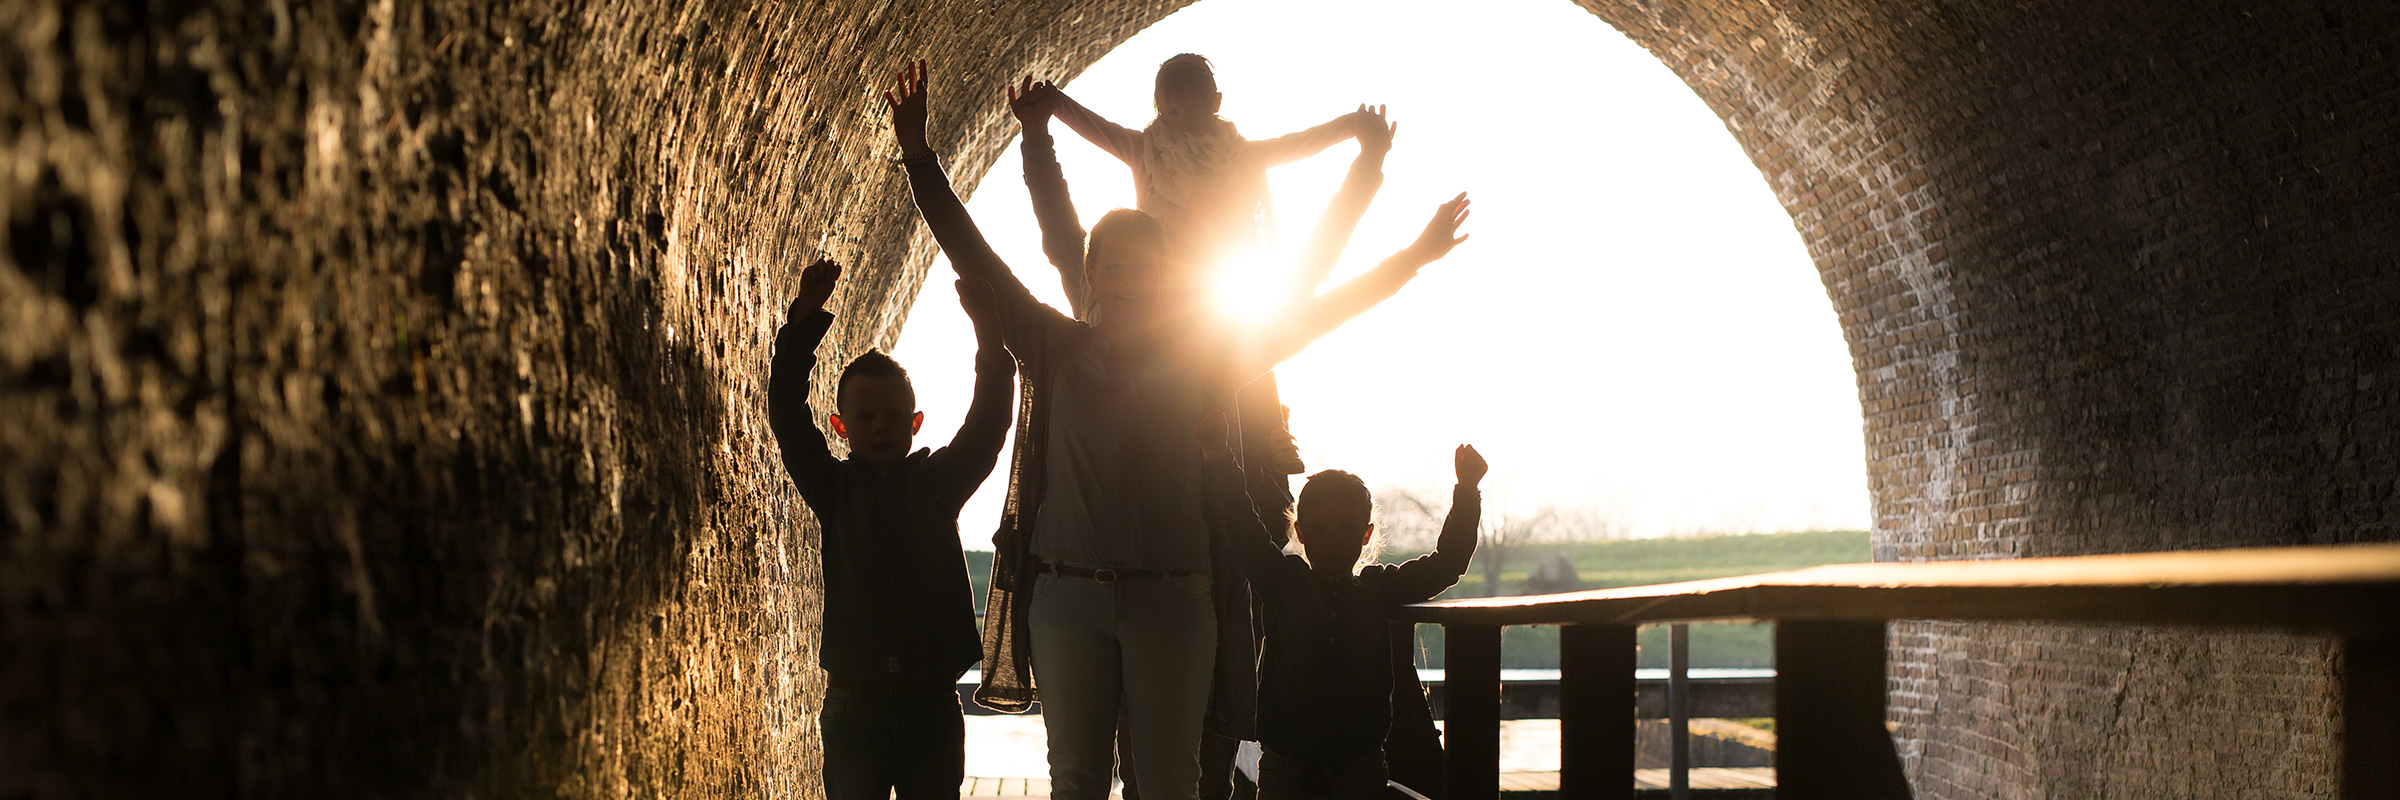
[
  {"x": 1297, "y": 145},
  {"x": 1053, "y": 206},
  {"x": 1120, "y": 141}
]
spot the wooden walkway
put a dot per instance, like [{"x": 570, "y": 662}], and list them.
[
  {"x": 1646, "y": 779},
  {"x": 1004, "y": 787},
  {"x": 1643, "y": 779}
]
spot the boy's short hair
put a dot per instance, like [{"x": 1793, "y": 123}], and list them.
[
  {"x": 1185, "y": 74},
  {"x": 870, "y": 364},
  {"x": 1338, "y": 488}
]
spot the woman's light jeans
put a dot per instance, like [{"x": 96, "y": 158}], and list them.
[{"x": 1152, "y": 644}]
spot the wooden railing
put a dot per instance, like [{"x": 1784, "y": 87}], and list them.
[{"x": 1829, "y": 651}]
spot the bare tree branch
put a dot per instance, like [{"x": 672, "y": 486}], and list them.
[{"x": 1410, "y": 520}]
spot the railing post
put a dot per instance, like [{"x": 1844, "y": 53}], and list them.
[
  {"x": 1414, "y": 747},
  {"x": 2371, "y": 717},
  {"x": 1830, "y": 741},
  {"x": 1679, "y": 711},
  {"x": 1471, "y": 710},
  {"x": 1596, "y": 746}
]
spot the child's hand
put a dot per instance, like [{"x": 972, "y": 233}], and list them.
[
  {"x": 1374, "y": 132},
  {"x": 906, "y": 100},
  {"x": 1211, "y": 437},
  {"x": 1032, "y": 102},
  {"x": 1470, "y": 466},
  {"x": 1435, "y": 242},
  {"x": 816, "y": 283}
]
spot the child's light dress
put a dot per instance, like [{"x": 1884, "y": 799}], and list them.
[{"x": 1207, "y": 187}]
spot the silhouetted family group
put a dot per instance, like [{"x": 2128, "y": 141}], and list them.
[{"x": 1149, "y": 499}]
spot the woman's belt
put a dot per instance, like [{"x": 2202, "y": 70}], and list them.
[
  {"x": 1112, "y": 574},
  {"x": 893, "y": 687}
]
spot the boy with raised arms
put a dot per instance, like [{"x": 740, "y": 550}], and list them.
[
  {"x": 899, "y": 613},
  {"x": 1325, "y": 677}
]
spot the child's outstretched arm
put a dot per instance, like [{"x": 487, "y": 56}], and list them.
[
  {"x": 1320, "y": 315},
  {"x": 805, "y": 456},
  {"x": 1429, "y": 574},
  {"x": 1297, "y": 145},
  {"x": 1021, "y": 315},
  {"x": 1053, "y": 208},
  {"x": 1332, "y": 234},
  {"x": 1120, "y": 141},
  {"x": 975, "y": 448}
]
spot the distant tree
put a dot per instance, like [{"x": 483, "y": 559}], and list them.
[
  {"x": 1553, "y": 573},
  {"x": 1506, "y": 536},
  {"x": 1411, "y": 520}
]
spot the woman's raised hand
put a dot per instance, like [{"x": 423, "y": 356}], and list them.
[
  {"x": 1436, "y": 241},
  {"x": 906, "y": 101},
  {"x": 1032, "y": 101}
]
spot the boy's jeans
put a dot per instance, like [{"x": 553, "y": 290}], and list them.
[
  {"x": 1150, "y": 643},
  {"x": 1361, "y": 778},
  {"x": 877, "y": 742}
]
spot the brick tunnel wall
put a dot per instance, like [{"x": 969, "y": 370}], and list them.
[
  {"x": 2115, "y": 277},
  {"x": 383, "y": 384}
]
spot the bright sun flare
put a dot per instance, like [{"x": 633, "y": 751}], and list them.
[
  {"x": 1245, "y": 289},
  {"x": 1630, "y": 273}
]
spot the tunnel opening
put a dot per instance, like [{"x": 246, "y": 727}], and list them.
[
  {"x": 1637, "y": 298},
  {"x": 1636, "y": 335},
  {"x": 2113, "y": 278}
]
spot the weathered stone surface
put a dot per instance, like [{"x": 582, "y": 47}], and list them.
[
  {"x": 383, "y": 408},
  {"x": 2115, "y": 277},
  {"x": 380, "y": 385}
]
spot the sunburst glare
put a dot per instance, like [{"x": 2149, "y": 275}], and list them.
[{"x": 1634, "y": 331}]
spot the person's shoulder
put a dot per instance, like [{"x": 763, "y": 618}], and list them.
[
  {"x": 850, "y": 468},
  {"x": 1289, "y": 566},
  {"x": 913, "y": 463},
  {"x": 1376, "y": 574}
]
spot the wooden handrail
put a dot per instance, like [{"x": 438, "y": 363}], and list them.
[
  {"x": 2307, "y": 589},
  {"x": 1829, "y": 690}
]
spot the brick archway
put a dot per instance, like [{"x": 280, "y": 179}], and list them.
[{"x": 382, "y": 383}]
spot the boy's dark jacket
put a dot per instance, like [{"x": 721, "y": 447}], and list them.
[
  {"x": 1325, "y": 676},
  {"x": 898, "y": 607}
]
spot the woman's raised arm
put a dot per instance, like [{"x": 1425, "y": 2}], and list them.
[
  {"x": 1310, "y": 320},
  {"x": 947, "y": 216}
]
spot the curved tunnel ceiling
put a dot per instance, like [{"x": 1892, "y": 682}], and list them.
[{"x": 384, "y": 384}]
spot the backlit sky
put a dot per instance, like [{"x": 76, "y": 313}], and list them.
[{"x": 1634, "y": 325}]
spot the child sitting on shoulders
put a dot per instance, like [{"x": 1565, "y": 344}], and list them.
[
  {"x": 1192, "y": 170},
  {"x": 900, "y": 622},
  {"x": 1325, "y": 679}
]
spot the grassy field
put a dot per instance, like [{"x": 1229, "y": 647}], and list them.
[
  {"x": 1630, "y": 562},
  {"x": 1635, "y": 562}
]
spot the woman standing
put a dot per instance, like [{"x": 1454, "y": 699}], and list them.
[{"x": 1100, "y": 582}]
